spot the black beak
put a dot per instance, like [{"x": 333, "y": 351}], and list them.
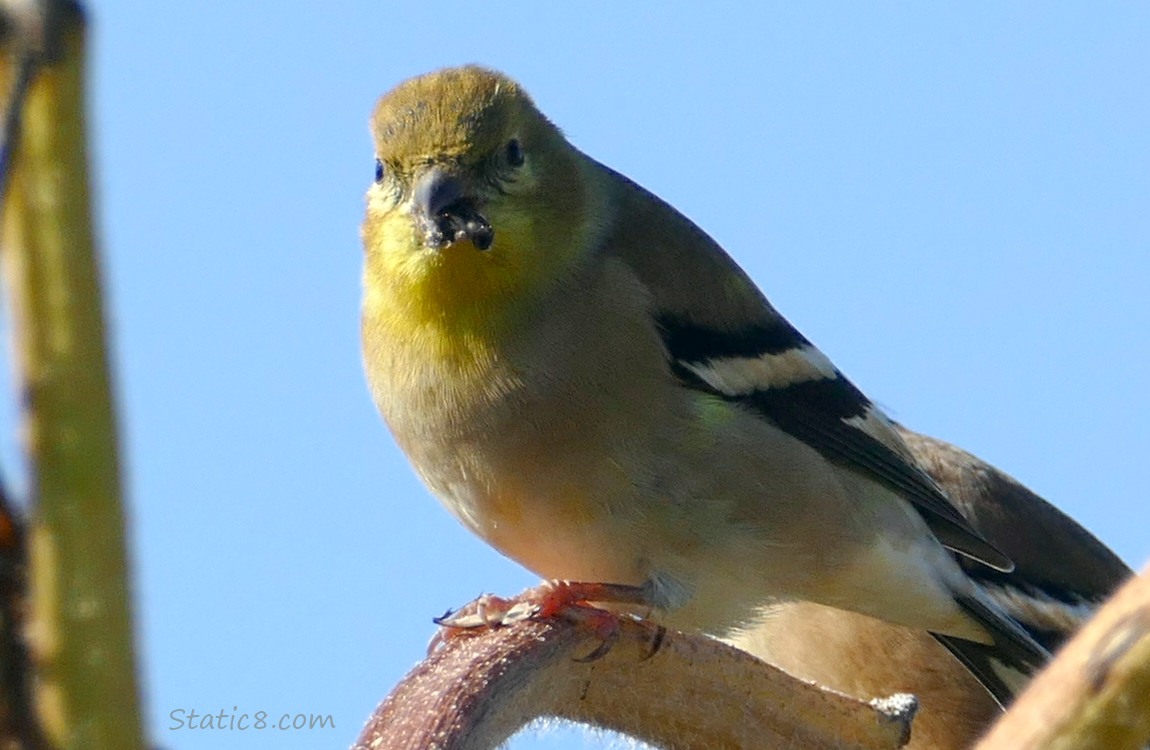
[{"x": 448, "y": 214}]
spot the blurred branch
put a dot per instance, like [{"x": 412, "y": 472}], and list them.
[
  {"x": 1096, "y": 694},
  {"x": 79, "y": 628},
  {"x": 666, "y": 688}
]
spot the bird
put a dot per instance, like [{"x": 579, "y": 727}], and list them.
[{"x": 592, "y": 385}]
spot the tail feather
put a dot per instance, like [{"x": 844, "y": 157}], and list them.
[
  {"x": 1004, "y": 667},
  {"x": 1002, "y": 681}
]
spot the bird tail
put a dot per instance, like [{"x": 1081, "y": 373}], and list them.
[{"x": 1005, "y": 666}]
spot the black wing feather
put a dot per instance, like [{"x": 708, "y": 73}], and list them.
[{"x": 814, "y": 412}]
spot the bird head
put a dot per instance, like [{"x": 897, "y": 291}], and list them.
[{"x": 477, "y": 196}]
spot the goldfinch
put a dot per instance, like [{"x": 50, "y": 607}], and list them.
[{"x": 589, "y": 383}]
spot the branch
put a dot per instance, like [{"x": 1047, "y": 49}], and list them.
[
  {"x": 79, "y": 620},
  {"x": 665, "y": 688}
]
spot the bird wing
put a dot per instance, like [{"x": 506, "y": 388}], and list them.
[
  {"x": 723, "y": 338},
  {"x": 775, "y": 372}
]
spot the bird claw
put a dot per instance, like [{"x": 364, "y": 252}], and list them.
[
  {"x": 568, "y": 600},
  {"x": 603, "y": 624},
  {"x": 488, "y": 611}
]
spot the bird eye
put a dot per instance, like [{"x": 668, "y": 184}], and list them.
[
  {"x": 515, "y": 155},
  {"x": 378, "y": 171}
]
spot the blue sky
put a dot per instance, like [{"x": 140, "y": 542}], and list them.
[{"x": 952, "y": 200}]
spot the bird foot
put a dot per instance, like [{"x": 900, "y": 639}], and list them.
[{"x": 569, "y": 600}]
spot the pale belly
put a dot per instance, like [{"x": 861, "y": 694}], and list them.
[{"x": 556, "y": 531}]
